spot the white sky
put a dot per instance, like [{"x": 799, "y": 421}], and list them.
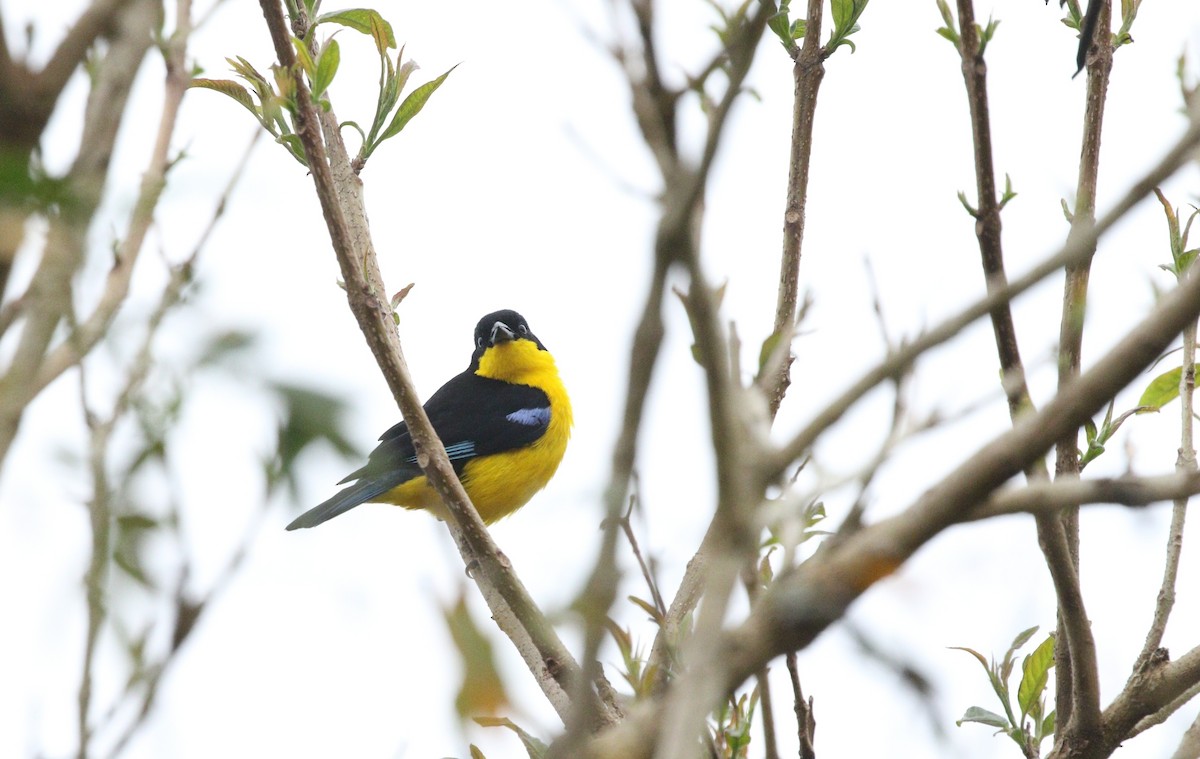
[{"x": 512, "y": 189}]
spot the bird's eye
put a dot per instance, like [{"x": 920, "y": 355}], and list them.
[
  {"x": 524, "y": 330},
  {"x": 479, "y": 342}
]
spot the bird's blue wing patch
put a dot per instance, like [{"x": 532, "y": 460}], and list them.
[
  {"x": 454, "y": 451},
  {"x": 530, "y": 417},
  {"x": 463, "y": 450}
]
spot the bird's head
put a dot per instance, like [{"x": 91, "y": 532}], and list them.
[{"x": 506, "y": 349}]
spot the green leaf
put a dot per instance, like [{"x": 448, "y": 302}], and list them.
[
  {"x": 621, "y": 637},
  {"x": 364, "y": 20},
  {"x": 1035, "y": 674},
  {"x": 1048, "y": 724},
  {"x": 327, "y": 66},
  {"x": 846, "y": 14},
  {"x": 403, "y": 72},
  {"x": 799, "y": 28},
  {"x": 1093, "y": 452},
  {"x": 412, "y": 105},
  {"x": 132, "y": 529},
  {"x": 230, "y": 88},
  {"x": 845, "y": 22},
  {"x": 842, "y": 11},
  {"x": 982, "y": 716},
  {"x": 223, "y": 346},
  {"x": 976, "y": 654},
  {"x": 1162, "y": 390},
  {"x": 986, "y": 33},
  {"x": 534, "y": 747},
  {"x": 947, "y": 17},
  {"x": 778, "y": 22},
  {"x": 768, "y": 347},
  {"x": 294, "y": 146},
  {"x": 304, "y": 58},
  {"x": 1021, "y": 639},
  {"x": 242, "y": 68},
  {"x": 308, "y": 416},
  {"x": 647, "y": 607},
  {"x": 482, "y": 690},
  {"x": 354, "y": 125}
]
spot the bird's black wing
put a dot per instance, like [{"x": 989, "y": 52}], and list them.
[{"x": 473, "y": 416}]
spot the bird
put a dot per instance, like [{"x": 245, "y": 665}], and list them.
[{"x": 504, "y": 421}]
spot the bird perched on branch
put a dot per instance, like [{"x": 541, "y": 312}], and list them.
[{"x": 504, "y": 421}]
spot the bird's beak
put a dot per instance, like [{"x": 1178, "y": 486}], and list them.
[{"x": 501, "y": 333}]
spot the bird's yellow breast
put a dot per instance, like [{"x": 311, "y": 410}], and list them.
[{"x": 501, "y": 483}]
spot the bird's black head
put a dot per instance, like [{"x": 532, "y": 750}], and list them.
[{"x": 502, "y": 327}]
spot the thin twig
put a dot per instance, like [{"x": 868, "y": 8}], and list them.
[
  {"x": 1166, "y": 712},
  {"x": 154, "y": 181},
  {"x": 987, "y": 209},
  {"x": 651, "y": 584},
  {"x": 1051, "y": 497},
  {"x": 898, "y": 361},
  {"x": 49, "y": 298},
  {"x": 1077, "y": 678},
  {"x": 807, "y": 74},
  {"x": 806, "y": 723},
  {"x": 1185, "y": 464},
  {"x": 805, "y": 601}
]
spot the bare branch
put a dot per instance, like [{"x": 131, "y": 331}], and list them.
[
  {"x": 154, "y": 181},
  {"x": 807, "y": 75},
  {"x": 898, "y": 361},
  {"x": 1051, "y": 497},
  {"x": 48, "y": 299},
  {"x": 987, "y": 213},
  {"x": 1145, "y": 694},
  {"x": 1185, "y": 464},
  {"x": 806, "y": 600},
  {"x": 1077, "y": 682},
  {"x": 1189, "y": 745}
]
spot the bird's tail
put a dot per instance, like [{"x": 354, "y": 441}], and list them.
[{"x": 346, "y": 499}]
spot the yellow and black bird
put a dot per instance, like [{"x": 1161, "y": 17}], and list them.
[{"x": 504, "y": 421}]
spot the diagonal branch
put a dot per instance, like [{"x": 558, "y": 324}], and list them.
[
  {"x": 549, "y": 660},
  {"x": 48, "y": 299},
  {"x": 807, "y": 600},
  {"x": 1051, "y": 497},
  {"x": 901, "y": 359}
]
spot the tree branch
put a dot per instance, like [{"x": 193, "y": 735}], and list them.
[
  {"x": 1075, "y": 670},
  {"x": 551, "y": 663},
  {"x": 1050, "y": 498},
  {"x": 48, "y": 298},
  {"x": 899, "y": 360},
  {"x": 86, "y": 334},
  {"x": 805, "y": 601},
  {"x": 807, "y": 74}
]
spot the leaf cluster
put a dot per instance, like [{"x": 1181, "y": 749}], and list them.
[
  {"x": 845, "y": 14},
  {"x": 953, "y": 33},
  {"x": 1129, "y": 10},
  {"x": 273, "y": 102},
  {"x": 1029, "y": 723},
  {"x": 731, "y": 727}
]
